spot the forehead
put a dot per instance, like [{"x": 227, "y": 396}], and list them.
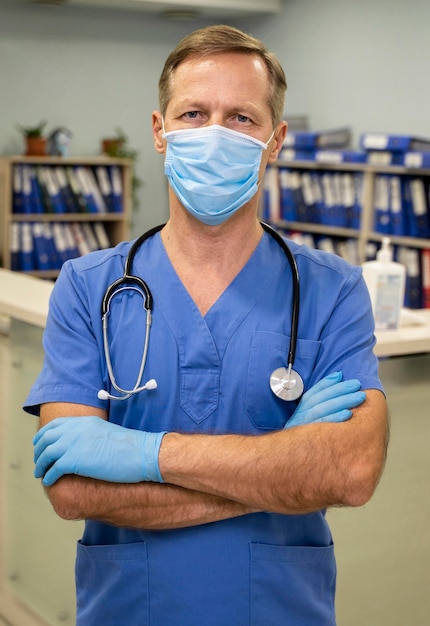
[{"x": 226, "y": 72}]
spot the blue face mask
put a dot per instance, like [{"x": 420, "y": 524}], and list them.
[{"x": 213, "y": 170}]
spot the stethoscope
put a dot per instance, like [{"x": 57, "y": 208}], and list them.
[{"x": 285, "y": 382}]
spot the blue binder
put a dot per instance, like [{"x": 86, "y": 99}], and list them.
[
  {"x": 117, "y": 191},
  {"x": 420, "y": 218},
  {"x": 397, "y": 212},
  {"x": 41, "y": 251},
  {"x": 393, "y": 142},
  {"x": 381, "y": 207},
  {"x": 26, "y": 254},
  {"x": 308, "y": 140},
  {"x": 17, "y": 192}
]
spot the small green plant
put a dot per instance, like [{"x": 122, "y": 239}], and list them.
[
  {"x": 32, "y": 131},
  {"x": 118, "y": 147}
]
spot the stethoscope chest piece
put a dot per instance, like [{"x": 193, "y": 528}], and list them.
[{"x": 286, "y": 384}]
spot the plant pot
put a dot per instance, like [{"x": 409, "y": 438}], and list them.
[
  {"x": 112, "y": 146},
  {"x": 35, "y": 146}
]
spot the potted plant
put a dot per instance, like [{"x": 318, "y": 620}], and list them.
[
  {"x": 118, "y": 147},
  {"x": 35, "y": 141}
]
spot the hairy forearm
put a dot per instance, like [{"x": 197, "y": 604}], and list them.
[
  {"x": 293, "y": 471},
  {"x": 147, "y": 506}
]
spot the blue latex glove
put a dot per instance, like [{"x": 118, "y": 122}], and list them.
[
  {"x": 329, "y": 400},
  {"x": 90, "y": 446}
]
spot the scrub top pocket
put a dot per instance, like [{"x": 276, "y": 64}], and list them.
[
  {"x": 112, "y": 582},
  {"x": 268, "y": 352},
  {"x": 292, "y": 585}
]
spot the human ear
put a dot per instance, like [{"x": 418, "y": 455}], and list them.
[
  {"x": 157, "y": 131},
  {"x": 278, "y": 138}
]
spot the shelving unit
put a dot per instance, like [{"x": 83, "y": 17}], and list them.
[
  {"x": 365, "y": 233},
  {"x": 116, "y": 224}
]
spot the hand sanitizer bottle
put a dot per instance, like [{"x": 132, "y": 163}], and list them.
[{"x": 385, "y": 280}]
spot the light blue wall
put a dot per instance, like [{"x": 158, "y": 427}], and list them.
[
  {"x": 364, "y": 63},
  {"x": 358, "y": 62}
]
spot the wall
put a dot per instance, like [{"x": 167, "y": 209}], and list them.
[
  {"x": 362, "y": 63},
  {"x": 358, "y": 62},
  {"x": 91, "y": 70}
]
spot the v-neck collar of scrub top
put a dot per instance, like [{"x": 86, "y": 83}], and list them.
[{"x": 226, "y": 314}]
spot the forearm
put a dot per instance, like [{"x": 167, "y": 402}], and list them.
[
  {"x": 147, "y": 506},
  {"x": 293, "y": 471}
]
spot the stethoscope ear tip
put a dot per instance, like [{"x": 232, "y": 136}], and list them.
[
  {"x": 151, "y": 384},
  {"x": 103, "y": 394}
]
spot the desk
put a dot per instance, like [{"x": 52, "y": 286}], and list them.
[{"x": 408, "y": 339}]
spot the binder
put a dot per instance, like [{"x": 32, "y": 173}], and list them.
[
  {"x": 393, "y": 142},
  {"x": 54, "y": 258},
  {"x": 289, "y": 154},
  {"x": 340, "y": 156},
  {"x": 43, "y": 190},
  {"x": 95, "y": 190},
  {"x": 398, "y": 218},
  {"x": 89, "y": 236},
  {"x": 85, "y": 188},
  {"x": 384, "y": 157},
  {"x": 307, "y": 140},
  {"x": 416, "y": 159},
  {"x": 78, "y": 196},
  {"x": 68, "y": 198},
  {"x": 420, "y": 222},
  {"x": 71, "y": 245},
  {"x": 105, "y": 186},
  {"x": 287, "y": 180},
  {"x": 17, "y": 192},
  {"x": 318, "y": 196},
  {"x": 15, "y": 246},
  {"x": 116, "y": 184},
  {"x": 425, "y": 265},
  {"x": 60, "y": 243},
  {"x": 101, "y": 235},
  {"x": 358, "y": 180},
  {"x": 26, "y": 253},
  {"x": 382, "y": 221},
  {"x": 36, "y": 195},
  {"x": 347, "y": 199},
  {"x": 41, "y": 252},
  {"x": 27, "y": 205},
  {"x": 53, "y": 190},
  {"x": 309, "y": 209},
  {"x": 80, "y": 240},
  {"x": 330, "y": 198},
  {"x": 339, "y": 213},
  {"x": 410, "y": 257},
  {"x": 271, "y": 195}
]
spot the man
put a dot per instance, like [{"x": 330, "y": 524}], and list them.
[{"x": 204, "y": 494}]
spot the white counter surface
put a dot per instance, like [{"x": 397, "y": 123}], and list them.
[
  {"x": 24, "y": 297},
  {"x": 413, "y": 336}
]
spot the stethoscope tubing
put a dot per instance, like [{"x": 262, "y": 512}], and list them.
[{"x": 129, "y": 281}]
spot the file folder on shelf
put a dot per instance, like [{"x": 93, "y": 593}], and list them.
[
  {"x": 307, "y": 140},
  {"x": 394, "y": 143},
  {"x": 416, "y": 159}
]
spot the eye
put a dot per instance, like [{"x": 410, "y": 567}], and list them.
[
  {"x": 243, "y": 119},
  {"x": 191, "y": 115}
]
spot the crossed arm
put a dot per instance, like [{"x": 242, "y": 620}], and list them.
[{"x": 213, "y": 477}]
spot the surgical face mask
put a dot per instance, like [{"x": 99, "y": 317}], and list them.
[{"x": 213, "y": 170}]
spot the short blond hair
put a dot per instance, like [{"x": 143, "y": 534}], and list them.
[{"x": 218, "y": 39}]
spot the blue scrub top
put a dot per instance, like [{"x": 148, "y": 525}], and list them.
[{"x": 213, "y": 376}]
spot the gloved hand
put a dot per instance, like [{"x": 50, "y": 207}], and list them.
[
  {"x": 90, "y": 446},
  {"x": 329, "y": 400}
]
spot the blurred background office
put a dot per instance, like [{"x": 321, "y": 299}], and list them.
[{"x": 93, "y": 67}]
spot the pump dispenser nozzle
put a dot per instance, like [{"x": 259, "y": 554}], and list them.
[{"x": 385, "y": 253}]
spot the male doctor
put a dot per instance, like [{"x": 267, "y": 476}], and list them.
[{"x": 204, "y": 497}]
